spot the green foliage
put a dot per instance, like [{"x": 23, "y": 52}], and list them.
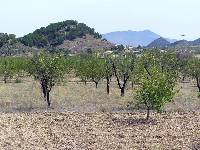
[
  {"x": 7, "y": 38},
  {"x": 48, "y": 69},
  {"x": 96, "y": 68},
  {"x": 93, "y": 68},
  {"x": 11, "y": 66},
  {"x": 194, "y": 67},
  {"x": 165, "y": 61},
  {"x": 183, "y": 63},
  {"x": 124, "y": 64},
  {"x": 155, "y": 90},
  {"x": 7, "y": 68},
  {"x": 81, "y": 67},
  {"x": 108, "y": 66},
  {"x": 156, "y": 81},
  {"x": 90, "y": 67},
  {"x": 194, "y": 70},
  {"x": 48, "y": 66},
  {"x": 54, "y": 34}
]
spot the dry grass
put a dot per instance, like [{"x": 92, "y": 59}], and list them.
[
  {"x": 186, "y": 99},
  {"x": 72, "y": 96},
  {"x": 75, "y": 96}
]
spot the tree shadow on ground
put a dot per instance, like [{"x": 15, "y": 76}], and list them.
[{"x": 134, "y": 122}]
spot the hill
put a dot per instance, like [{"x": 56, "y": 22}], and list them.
[
  {"x": 185, "y": 43},
  {"x": 56, "y": 33},
  {"x": 163, "y": 42},
  {"x": 159, "y": 43},
  {"x": 196, "y": 42},
  {"x": 67, "y": 36},
  {"x": 181, "y": 43},
  {"x": 10, "y": 46},
  {"x": 133, "y": 38},
  {"x": 85, "y": 44},
  {"x": 7, "y": 38},
  {"x": 17, "y": 49}
]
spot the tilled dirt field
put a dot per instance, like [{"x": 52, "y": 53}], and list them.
[{"x": 106, "y": 131}]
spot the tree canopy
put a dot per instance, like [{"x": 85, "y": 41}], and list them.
[{"x": 7, "y": 39}]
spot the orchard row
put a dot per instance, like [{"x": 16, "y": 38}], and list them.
[{"x": 154, "y": 73}]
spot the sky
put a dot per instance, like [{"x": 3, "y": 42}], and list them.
[{"x": 168, "y": 18}]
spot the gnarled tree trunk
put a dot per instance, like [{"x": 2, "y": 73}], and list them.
[
  {"x": 5, "y": 79},
  {"x": 108, "y": 85},
  {"x": 46, "y": 91},
  {"x": 148, "y": 113},
  {"x": 122, "y": 91},
  {"x": 47, "y": 98},
  {"x": 198, "y": 83},
  {"x": 96, "y": 84}
]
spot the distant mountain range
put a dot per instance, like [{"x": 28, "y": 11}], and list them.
[
  {"x": 161, "y": 42},
  {"x": 133, "y": 38}
]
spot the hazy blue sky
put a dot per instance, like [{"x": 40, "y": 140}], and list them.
[{"x": 169, "y": 18}]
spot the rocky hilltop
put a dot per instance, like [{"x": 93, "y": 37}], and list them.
[{"x": 159, "y": 43}]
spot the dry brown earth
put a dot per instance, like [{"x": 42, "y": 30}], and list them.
[{"x": 105, "y": 131}]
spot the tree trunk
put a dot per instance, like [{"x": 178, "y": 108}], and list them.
[
  {"x": 183, "y": 79},
  {"x": 96, "y": 84},
  {"x": 44, "y": 91},
  {"x": 122, "y": 91},
  {"x": 48, "y": 100},
  {"x": 44, "y": 88},
  {"x": 198, "y": 84},
  {"x": 162, "y": 68},
  {"x": 5, "y": 79},
  {"x": 148, "y": 113},
  {"x": 85, "y": 82},
  {"x": 108, "y": 85},
  {"x": 132, "y": 84}
]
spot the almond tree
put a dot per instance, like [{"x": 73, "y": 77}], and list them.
[
  {"x": 7, "y": 68},
  {"x": 154, "y": 90},
  {"x": 183, "y": 61},
  {"x": 81, "y": 67},
  {"x": 95, "y": 69},
  {"x": 123, "y": 66},
  {"x": 108, "y": 73},
  {"x": 48, "y": 69},
  {"x": 90, "y": 68},
  {"x": 194, "y": 70},
  {"x": 155, "y": 84}
]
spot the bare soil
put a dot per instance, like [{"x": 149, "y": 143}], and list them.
[{"x": 105, "y": 131}]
